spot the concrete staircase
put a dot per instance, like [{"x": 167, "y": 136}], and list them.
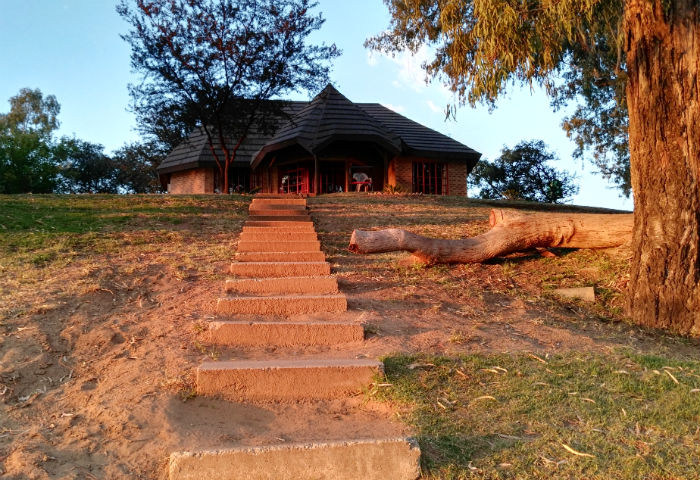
[{"x": 280, "y": 279}]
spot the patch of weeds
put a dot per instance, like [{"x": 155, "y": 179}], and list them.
[
  {"x": 183, "y": 385},
  {"x": 210, "y": 352},
  {"x": 200, "y": 327},
  {"x": 508, "y": 269},
  {"x": 43, "y": 258},
  {"x": 460, "y": 338},
  {"x": 371, "y": 329}
]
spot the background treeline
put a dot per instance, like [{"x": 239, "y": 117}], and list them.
[{"x": 34, "y": 160}]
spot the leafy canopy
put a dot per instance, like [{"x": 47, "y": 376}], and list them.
[
  {"x": 522, "y": 173},
  {"x": 136, "y": 165},
  {"x": 213, "y": 64},
  {"x": 84, "y": 168},
  {"x": 27, "y": 160},
  {"x": 572, "y": 48}
]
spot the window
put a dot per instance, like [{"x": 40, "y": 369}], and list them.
[
  {"x": 238, "y": 179},
  {"x": 294, "y": 180},
  {"x": 430, "y": 178}
]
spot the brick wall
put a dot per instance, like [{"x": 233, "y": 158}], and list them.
[
  {"x": 199, "y": 180},
  {"x": 457, "y": 179},
  {"x": 401, "y": 174}
]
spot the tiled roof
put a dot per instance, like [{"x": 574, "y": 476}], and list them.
[
  {"x": 329, "y": 117},
  {"x": 195, "y": 152},
  {"x": 417, "y": 139}
]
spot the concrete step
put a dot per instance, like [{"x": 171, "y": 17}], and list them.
[
  {"x": 282, "y": 305},
  {"x": 367, "y": 459},
  {"x": 277, "y": 236},
  {"x": 284, "y": 334},
  {"x": 277, "y": 212},
  {"x": 276, "y": 206},
  {"x": 304, "y": 227},
  {"x": 279, "y": 201},
  {"x": 279, "y": 269},
  {"x": 311, "y": 256},
  {"x": 318, "y": 285},
  {"x": 278, "y": 223},
  {"x": 278, "y": 218},
  {"x": 279, "y": 246},
  {"x": 286, "y": 380}
]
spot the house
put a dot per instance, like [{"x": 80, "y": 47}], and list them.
[{"x": 330, "y": 144}]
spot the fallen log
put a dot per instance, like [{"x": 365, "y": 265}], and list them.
[{"x": 510, "y": 232}]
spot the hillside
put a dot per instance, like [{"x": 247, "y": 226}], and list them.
[{"x": 104, "y": 302}]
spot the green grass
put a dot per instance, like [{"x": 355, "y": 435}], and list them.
[
  {"x": 510, "y": 416},
  {"x": 46, "y": 226},
  {"x": 76, "y": 240}
]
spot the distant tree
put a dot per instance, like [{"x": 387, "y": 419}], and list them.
[
  {"x": 136, "y": 165},
  {"x": 27, "y": 156},
  {"x": 523, "y": 173},
  {"x": 213, "y": 64},
  {"x": 84, "y": 168}
]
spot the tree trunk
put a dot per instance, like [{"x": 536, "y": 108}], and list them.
[
  {"x": 663, "y": 63},
  {"x": 510, "y": 232}
]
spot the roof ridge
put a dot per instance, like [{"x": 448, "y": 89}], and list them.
[{"x": 323, "y": 110}]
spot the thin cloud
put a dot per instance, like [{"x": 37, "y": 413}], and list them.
[
  {"x": 433, "y": 107},
  {"x": 396, "y": 108}
]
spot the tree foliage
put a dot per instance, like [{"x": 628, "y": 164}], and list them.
[
  {"x": 27, "y": 156},
  {"x": 136, "y": 165},
  {"x": 523, "y": 173},
  {"x": 572, "y": 48},
  {"x": 213, "y": 64},
  {"x": 595, "y": 78},
  {"x": 85, "y": 168}
]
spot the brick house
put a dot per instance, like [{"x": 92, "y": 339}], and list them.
[{"x": 330, "y": 144}]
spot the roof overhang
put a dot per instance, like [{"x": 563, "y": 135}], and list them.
[{"x": 275, "y": 147}]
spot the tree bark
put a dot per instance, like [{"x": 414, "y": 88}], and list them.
[
  {"x": 663, "y": 64},
  {"x": 510, "y": 232}
]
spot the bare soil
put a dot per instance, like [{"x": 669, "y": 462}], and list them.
[{"x": 97, "y": 357}]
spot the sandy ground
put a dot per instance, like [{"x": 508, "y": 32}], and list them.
[{"x": 99, "y": 383}]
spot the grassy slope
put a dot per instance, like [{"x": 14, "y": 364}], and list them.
[
  {"x": 477, "y": 416},
  {"x": 42, "y": 235},
  {"x": 476, "y": 421},
  {"x": 513, "y": 416}
]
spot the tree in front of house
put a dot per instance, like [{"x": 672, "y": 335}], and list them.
[
  {"x": 136, "y": 165},
  {"x": 483, "y": 45},
  {"x": 523, "y": 173},
  {"x": 214, "y": 64},
  {"x": 27, "y": 147}
]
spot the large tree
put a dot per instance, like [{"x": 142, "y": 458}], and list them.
[
  {"x": 482, "y": 45},
  {"x": 214, "y": 64},
  {"x": 27, "y": 153}
]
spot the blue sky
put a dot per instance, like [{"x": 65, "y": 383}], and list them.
[{"x": 72, "y": 49}]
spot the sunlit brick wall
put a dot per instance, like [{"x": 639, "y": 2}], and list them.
[
  {"x": 401, "y": 173},
  {"x": 200, "y": 180},
  {"x": 457, "y": 179}
]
